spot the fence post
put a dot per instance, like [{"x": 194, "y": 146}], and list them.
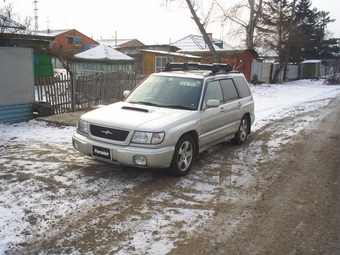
[{"x": 73, "y": 92}]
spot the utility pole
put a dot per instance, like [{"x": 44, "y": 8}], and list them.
[{"x": 36, "y": 27}]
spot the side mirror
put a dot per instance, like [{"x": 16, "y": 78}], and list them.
[
  {"x": 212, "y": 103},
  {"x": 126, "y": 93}
]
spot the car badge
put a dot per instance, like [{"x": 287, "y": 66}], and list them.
[{"x": 106, "y": 132}]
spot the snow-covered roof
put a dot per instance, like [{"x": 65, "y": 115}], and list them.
[
  {"x": 178, "y": 54},
  {"x": 269, "y": 53},
  {"x": 52, "y": 32},
  {"x": 196, "y": 42},
  {"x": 103, "y": 52},
  {"x": 311, "y": 61},
  {"x": 8, "y": 25}
]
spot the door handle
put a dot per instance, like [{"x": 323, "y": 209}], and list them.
[
  {"x": 222, "y": 109},
  {"x": 239, "y": 104}
]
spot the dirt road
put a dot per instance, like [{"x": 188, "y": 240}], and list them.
[
  {"x": 277, "y": 194},
  {"x": 298, "y": 212}
]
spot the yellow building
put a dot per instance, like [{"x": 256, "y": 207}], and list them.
[{"x": 155, "y": 60}]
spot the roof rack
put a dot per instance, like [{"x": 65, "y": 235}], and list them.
[{"x": 214, "y": 67}]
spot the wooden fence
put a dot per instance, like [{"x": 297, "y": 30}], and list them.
[{"x": 65, "y": 94}]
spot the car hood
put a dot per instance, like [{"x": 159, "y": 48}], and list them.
[{"x": 133, "y": 116}]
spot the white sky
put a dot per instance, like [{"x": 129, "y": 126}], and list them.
[{"x": 148, "y": 21}]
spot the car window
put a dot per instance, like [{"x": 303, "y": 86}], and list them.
[
  {"x": 242, "y": 86},
  {"x": 229, "y": 90},
  {"x": 213, "y": 91}
]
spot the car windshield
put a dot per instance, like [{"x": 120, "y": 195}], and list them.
[{"x": 165, "y": 91}]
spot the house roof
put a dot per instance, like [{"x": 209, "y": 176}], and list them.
[
  {"x": 117, "y": 42},
  {"x": 8, "y": 25},
  {"x": 53, "y": 32},
  {"x": 269, "y": 53},
  {"x": 103, "y": 52},
  {"x": 311, "y": 61},
  {"x": 196, "y": 42},
  {"x": 172, "y": 53}
]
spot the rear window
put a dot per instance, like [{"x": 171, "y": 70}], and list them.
[{"x": 242, "y": 86}]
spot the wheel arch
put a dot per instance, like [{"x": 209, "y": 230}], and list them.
[{"x": 194, "y": 135}]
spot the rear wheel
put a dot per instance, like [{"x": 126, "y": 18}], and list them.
[
  {"x": 183, "y": 156},
  {"x": 242, "y": 133}
]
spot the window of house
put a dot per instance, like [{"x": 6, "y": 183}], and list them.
[
  {"x": 73, "y": 40},
  {"x": 160, "y": 62},
  {"x": 77, "y": 40}
]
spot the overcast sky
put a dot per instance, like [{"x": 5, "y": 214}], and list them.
[{"x": 148, "y": 21}]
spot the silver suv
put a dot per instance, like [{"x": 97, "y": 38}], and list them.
[{"x": 171, "y": 117}]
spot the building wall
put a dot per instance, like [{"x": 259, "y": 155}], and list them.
[
  {"x": 149, "y": 61},
  {"x": 17, "y": 84}
]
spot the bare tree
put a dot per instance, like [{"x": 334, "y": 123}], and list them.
[
  {"x": 11, "y": 23},
  {"x": 193, "y": 7},
  {"x": 236, "y": 15}
]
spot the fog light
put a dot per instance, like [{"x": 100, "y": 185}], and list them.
[{"x": 139, "y": 160}]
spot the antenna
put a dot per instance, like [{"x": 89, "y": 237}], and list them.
[{"x": 35, "y": 15}]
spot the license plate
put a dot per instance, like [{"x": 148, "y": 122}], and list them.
[{"x": 101, "y": 152}]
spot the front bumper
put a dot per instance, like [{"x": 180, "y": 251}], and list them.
[{"x": 123, "y": 155}]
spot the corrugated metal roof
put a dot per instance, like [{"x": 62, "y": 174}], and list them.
[
  {"x": 103, "y": 52},
  {"x": 195, "y": 42}
]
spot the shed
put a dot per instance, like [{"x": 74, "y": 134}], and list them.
[
  {"x": 101, "y": 60},
  {"x": 310, "y": 69}
]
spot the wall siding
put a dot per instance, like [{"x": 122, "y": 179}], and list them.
[{"x": 16, "y": 113}]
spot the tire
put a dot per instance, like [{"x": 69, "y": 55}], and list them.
[
  {"x": 242, "y": 132},
  {"x": 183, "y": 156}
]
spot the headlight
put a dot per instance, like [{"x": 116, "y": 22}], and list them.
[
  {"x": 147, "y": 137},
  {"x": 82, "y": 126}
]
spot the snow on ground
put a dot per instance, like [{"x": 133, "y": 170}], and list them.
[{"x": 273, "y": 102}]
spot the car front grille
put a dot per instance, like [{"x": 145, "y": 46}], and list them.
[{"x": 109, "y": 133}]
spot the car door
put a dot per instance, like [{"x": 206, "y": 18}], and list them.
[
  {"x": 233, "y": 106},
  {"x": 213, "y": 120}
]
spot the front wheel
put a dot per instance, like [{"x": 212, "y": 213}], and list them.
[
  {"x": 183, "y": 156},
  {"x": 242, "y": 133}
]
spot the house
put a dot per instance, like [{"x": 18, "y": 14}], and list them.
[
  {"x": 69, "y": 40},
  {"x": 101, "y": 59},
  {"x": 155, "y": 60},
  {"x": 196, "y": 42},
  {"x": 241, "y": 60}
]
